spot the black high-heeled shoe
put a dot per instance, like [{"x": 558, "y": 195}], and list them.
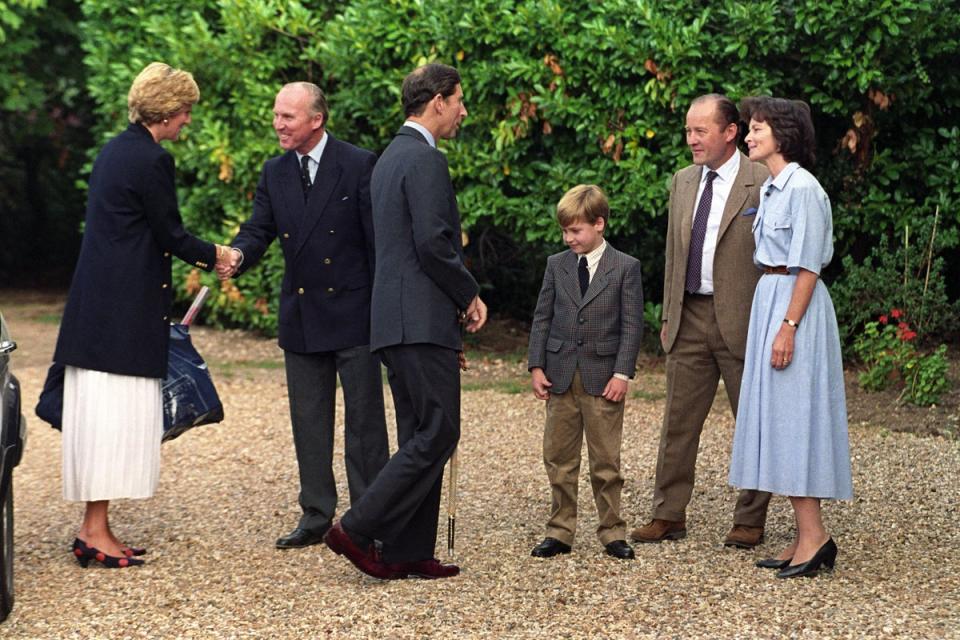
[
  {"x": 825, "y": 557},
  {"x": 85, "y": 553},
  {"x": 133, "y": 551},
  {"x": 773, "y": 563}
]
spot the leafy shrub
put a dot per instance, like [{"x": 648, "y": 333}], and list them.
[
  {"x": 909, "y": 275},
  {"x": 652, "y": 314},
  {"x": 559, "y": 92},
  {"x": 888, "y": 350},
  {"x": 44, "y": 119}
]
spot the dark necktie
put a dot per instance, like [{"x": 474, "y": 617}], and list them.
[
  {"x": 305, "y": 176},
  {"x": 697, "y": 234},
  {"x": 583, "y": 275}
]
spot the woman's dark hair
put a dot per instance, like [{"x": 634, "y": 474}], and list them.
[
  {"x": 790, "y": 122},
  {"x": 423, "y": 83}
]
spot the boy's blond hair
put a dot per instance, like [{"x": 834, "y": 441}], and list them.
[{"x": 583, "y": 203}]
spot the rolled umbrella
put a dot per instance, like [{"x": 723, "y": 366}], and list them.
[{"x": 452, "y": 502}]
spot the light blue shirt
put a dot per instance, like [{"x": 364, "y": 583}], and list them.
[
  {"x": 794, "y": 223},
  {"x": 422, "y": 129}
]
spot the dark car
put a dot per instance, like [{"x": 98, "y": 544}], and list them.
[{"x": 12, "y": 434}]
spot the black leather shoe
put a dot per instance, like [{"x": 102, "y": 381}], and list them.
[
  {"x": 549, "y": 547},
  {"x": 824, "y": 558},
  {"x": 619, "y": 549},
  {"x": 301, "y": 538},
  {"x": 773, "y": 563}
]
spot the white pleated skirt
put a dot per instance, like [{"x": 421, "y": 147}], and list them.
[{"x": 112, "y": 427}]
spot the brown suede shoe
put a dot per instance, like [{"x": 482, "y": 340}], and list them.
[
  {"x": 744, "y": 537},
  {"x": 659, "y": 530}
]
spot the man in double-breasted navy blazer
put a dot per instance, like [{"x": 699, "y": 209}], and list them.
[
  {"x": 421, "y": 293},
  {"x": 583, "y": 349},
  {"x": 315, "y": 199}
]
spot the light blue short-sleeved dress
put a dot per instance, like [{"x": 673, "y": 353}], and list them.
[{"x": 791, "y": 433}]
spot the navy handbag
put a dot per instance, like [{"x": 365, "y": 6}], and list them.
[{"x": 189, "y": 397}]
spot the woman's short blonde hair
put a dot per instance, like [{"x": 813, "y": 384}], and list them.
[
  {"x": 159, "y": 92},
  {"x": 583, "y": 203}
]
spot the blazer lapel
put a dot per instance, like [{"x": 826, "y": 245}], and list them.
[
  {"x": 739, "y": 192},
  {"x": 687, "y": 195},
  {"x": 569, "y": 282},
  {"x": 291, "y": 190},
  {"x": 328, "y": 175},
  {"x": 413, "y": 133},
  {"x": 600, "y": 279}
]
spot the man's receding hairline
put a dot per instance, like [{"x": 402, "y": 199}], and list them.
[
  {"x": 309, "y": 89},
  {"x": 713, "y": 99}
]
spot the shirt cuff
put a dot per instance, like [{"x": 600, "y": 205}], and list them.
[
  {"x": 241, "y": 255},
  {"x": 621, "y": 376}
]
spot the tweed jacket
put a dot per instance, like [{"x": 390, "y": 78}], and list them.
[
  {"x": 421, "y": 284},
  {"x": 598, "y": 333},
  {"x": 734, "y": 274},
  {"x": 327, "y": 245}
]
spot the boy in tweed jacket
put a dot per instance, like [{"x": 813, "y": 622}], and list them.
[{"x": 583, "y": 350}]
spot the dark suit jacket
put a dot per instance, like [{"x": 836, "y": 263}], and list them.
[
  {"x": 421, "y": 284},
  {"x": 734, "y": 275},
  {"x": 598, "y": 333},
  {"x": 118, "y": 310},
  {"x": 327, "y": 245}
]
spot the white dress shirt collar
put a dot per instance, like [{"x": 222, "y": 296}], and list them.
[
  {"x": 314, "y": 154},
  {"x": 726, "y": 172},
  {"x": 593, "y": 258}
]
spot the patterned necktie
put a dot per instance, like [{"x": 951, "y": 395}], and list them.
[
  {"x": 583, "y": 275},
  {"x": 697, "y": 234},
  {"x": 305, "y": 176}
]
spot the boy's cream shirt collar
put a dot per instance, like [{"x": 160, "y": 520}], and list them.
[{"x": 593, "y": 258}]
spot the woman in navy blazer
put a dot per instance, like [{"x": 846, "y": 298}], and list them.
[{"x": 115, "y": 329}]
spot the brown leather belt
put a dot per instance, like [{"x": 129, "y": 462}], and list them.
[{"x": 783, "y": 271}]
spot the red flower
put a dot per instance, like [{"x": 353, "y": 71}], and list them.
[
  {"x": 904, "y": 332},
  {"x": 896, "y": 313},
  {"x": 883, "y": 319}
]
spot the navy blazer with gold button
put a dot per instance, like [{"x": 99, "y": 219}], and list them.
[
  {"x": 327, "y": 245},
  {"x": 118, "y": 310}
]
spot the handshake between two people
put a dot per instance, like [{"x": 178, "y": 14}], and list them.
[{"x": 228, "y": 261}]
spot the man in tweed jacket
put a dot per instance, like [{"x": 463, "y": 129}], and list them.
[{"x": 583, "y": 349}]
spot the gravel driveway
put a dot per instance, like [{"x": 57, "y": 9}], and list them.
[{"x": 227, "y": 491}]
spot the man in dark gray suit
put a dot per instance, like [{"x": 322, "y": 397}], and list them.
[
  {"x": 421, "y": 293},
  {"x": 315, "y": 199}
]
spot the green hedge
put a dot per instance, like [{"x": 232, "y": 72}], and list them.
[
  {"x": 44, "y": 121},
  {"x": 558, "y": 93}
]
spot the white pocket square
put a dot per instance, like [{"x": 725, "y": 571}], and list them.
[{"x": 344, "y": 198}]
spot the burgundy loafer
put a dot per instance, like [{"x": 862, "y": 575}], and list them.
[
  {"x": 368, "y": 561},
  {"x": 428, "y": 569}
]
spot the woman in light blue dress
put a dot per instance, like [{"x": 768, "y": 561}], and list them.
[{"x": 791, "y": 434}]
